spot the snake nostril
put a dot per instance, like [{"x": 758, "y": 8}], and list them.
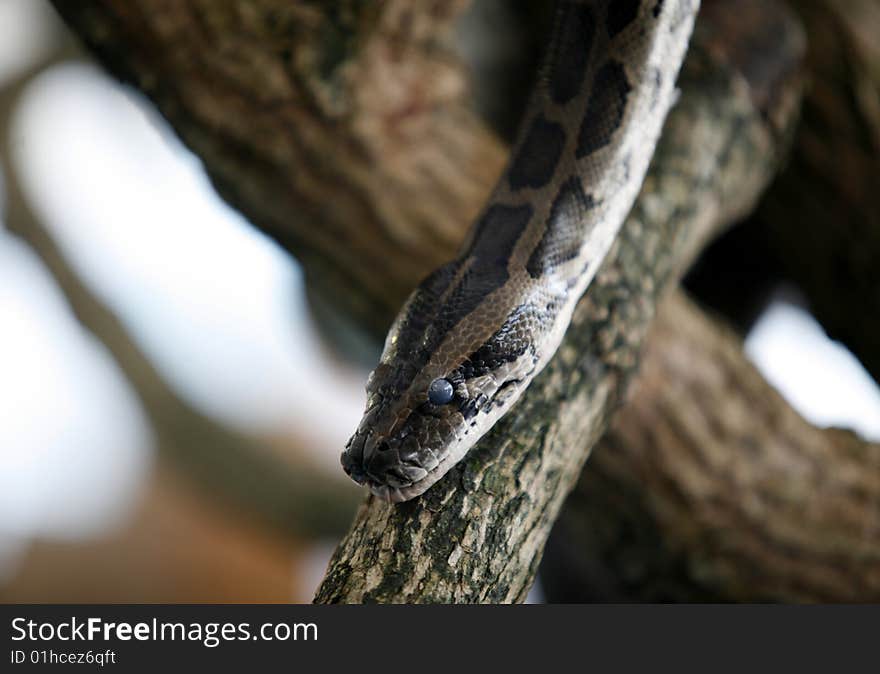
[{"x": 383, "y": 447}]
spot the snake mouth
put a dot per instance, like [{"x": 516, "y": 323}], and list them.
[
  {"x": 389, "y": 482},
  {"x": 400, "y": 493},
  {"x": 382, "y": 489},
  {"x": 392, "y": 480},
  {"x": 391, "y": 494}
]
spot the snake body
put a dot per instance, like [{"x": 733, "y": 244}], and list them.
[{"x": 476, "y": 332}]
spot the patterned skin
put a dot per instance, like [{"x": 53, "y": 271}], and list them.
[{"x": 475, "y": 333}]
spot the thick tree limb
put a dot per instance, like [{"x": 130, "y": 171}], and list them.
[{"x": 709, "y": 487}]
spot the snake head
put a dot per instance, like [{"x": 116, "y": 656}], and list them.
[
  {"x": 478, "y": 329},
  {"x": 409, "y": 432},
  {"x": 418, "y": 424},
  {"x": 453, "y": 363}
]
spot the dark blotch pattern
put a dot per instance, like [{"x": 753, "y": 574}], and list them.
[
  {"x": 621, "y": 13},
  {"x": 576, "y": 29},
  {"x": 438, "y": 305},
  {"x": 498, "y": 231},
  {"x": 657, "y": 8},
  {"x": 422, "y": 310},
  {"x": 538, "y": 156},
  {"x": 496, "y": 235},
  {"x": 469, "y": 408},
  {"x": 605, "y": 109},
  {"x": 565, "y": 229},
  {"x": 511, "y": 341}
]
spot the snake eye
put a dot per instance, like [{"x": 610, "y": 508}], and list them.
[{"x": 440, "y": 391}]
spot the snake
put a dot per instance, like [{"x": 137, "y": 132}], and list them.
[{"x": 473, "y": 335}]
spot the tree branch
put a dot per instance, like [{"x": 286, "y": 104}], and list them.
[
  {"x": 818, "y": 226},
  {"x": 821, "y": 221},
  {"x": 709, "y": 487}
]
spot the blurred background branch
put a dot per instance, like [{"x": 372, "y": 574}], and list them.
[
  {"x": 821, "y": 222},
  {"x": 709, "y": 487},
  {"x": 244, "y": 469},
  {"x": 342, "y": 130},
  {"x": 247, "y": 481},
  {"x": 818, "y": 228}
]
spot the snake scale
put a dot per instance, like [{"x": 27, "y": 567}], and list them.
[{"x": 474, "y": 334}]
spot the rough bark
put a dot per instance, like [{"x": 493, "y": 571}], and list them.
[
  {"x": 708, "y": 487},
  {"x": 477, "y": 536}
]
